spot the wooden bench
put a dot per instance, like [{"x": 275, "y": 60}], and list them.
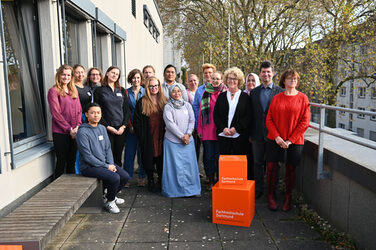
[{"x": 39, "y": 219}]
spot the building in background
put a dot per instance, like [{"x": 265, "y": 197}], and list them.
[{"x": 39, "y": 36}]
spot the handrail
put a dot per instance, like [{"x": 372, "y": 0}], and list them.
[{"x": 321, "y": 173}]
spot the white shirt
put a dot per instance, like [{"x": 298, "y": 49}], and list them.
[{"x": 231, "y": 111}]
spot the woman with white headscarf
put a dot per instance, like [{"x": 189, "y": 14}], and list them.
[
  {"x": 180, "y": 171},
  {"x": 252, "y": 81}
]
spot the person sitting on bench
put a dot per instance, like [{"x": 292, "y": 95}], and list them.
[{"x": 96, "y": 158}]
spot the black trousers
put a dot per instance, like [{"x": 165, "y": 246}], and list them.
[
  {"x": 65, "y": 150},
  {"x": 117, "y": 146},
  {"x": 233, "y": 146},
  {"x": 291, "y": 155}
]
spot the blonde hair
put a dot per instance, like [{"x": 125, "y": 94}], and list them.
[
  {"x": 208, "y": 66},
  {"x": 148, "y": 107},
  {"x": 237, "y": 72},
  {"x": 59, "y": 86}
]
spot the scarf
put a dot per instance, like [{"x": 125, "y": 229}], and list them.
[
  {"x": 205, "y": 101},
  {"x": 175, "y": 103}
]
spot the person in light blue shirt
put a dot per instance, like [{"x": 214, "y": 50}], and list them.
[{"x": 169, "y": 74}]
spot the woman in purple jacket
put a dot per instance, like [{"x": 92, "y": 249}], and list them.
[{"x": 66, "y": 112}]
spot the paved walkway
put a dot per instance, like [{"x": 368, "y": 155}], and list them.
[{"x": 150, "y": 221}]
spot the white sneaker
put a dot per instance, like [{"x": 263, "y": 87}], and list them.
[
  {"x": 119, "y": 201},
  {"x": 111, "y": 207}
]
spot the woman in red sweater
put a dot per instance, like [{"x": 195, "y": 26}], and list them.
[{"x": 287, "y": 120}]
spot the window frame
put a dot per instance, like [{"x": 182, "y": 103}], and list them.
[
  {"x": 362, "y": 92},
  {"x": 361, "y": 116},
  {"x": 373, "y": 118}
]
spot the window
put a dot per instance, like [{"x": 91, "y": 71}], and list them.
[
  {"x": 71, "y": 48},
  {"x": 373, "y": 93},
  {"x": 150, "y": 25},
  {"x": 98, "y": 52},
  {"x": 362, "y": 92},
  {"x": 360, "y": 132},
  {"x": 134, "y": 8},
  {"x": 373, "y": 118},
  {"x": 372, "y": 135},
  {"x": 21, "y": 30},
  {"x": 343, "y": 91},
  {"x": 342, "y": 112},
  {"x": 361, "y": 116},
  {"x": 341, "y": 125}
]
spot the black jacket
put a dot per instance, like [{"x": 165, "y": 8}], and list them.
[
  {"x": 259, "y": 131},
  {"x": 141, "y": 125},
  {"x": 114, "y": 104},
  {"x": 240, "y": 121}
]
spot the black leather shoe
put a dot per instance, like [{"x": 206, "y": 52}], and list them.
[{"x": 258, "y": 194}]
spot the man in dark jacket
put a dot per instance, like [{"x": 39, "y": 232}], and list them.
[{"x": 261, "y": 97}]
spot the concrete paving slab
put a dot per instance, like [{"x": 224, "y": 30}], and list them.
[
  {"x": 303, "y": 244},
  {"x": 193, "y": 231},
  {"x": 62, "y": 236},
  {"x": 263, "y": 212},
  {"x": 204, "y": 200},
  {"x": 154, "y": 200},
  {"x": 191, "y": 214},
  {"x": 108, "y": 217},
  {"x": 142, "y": 246},
  {"x": 246, "y": 244},
  {"x": 87, "y": 246},
  {"x": 149, "y": 214},
  {"x": 144, "y": 232},
  {"x": 255, "y": 231},
  {"x": 89, "y": 232},
  {"x": 281, "y": 230},
  {"x": 196, "y": 245}
]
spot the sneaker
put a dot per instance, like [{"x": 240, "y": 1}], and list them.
[
  {"x": 111, "y": 207},
  {"x": 119, "y": 201}
]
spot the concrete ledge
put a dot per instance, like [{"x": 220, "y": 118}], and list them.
[
  {"x": 348, "y": 198},
  {"x": 40, "y": 218}
]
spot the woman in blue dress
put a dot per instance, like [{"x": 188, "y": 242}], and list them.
[{"x": 180, "y": 171}]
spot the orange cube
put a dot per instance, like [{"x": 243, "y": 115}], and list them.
[
  {"x": 232, "y": 170},
  {"x": 234, "y": 205}
]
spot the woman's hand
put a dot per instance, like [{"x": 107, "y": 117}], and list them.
[
  {"x": 73, "y": 132},
  {"x": 112, "y": 130},
  {"x": 112, "y": 168},
  {"x": 232, "y": 131},
  {"x": 185, "y": 139},
  {"x": 226, "y": 131},
  {"x": 281, "y": 142},
  {"x": 120, "y": 131}
]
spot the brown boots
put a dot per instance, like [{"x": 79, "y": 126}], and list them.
[{"x": 272, "y": 168}]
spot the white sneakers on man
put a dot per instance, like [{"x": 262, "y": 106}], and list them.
[
  {"x": 119, "y": 201},
  {"x": 112, "y": 207}
]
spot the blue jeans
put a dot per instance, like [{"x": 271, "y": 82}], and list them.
[
  {"x": 113, "y": 181},
  {"x": 211, "y": 156},
  {"x": 131, "y": 146}
]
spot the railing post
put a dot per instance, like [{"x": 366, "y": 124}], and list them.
[{"x": 321, "y": 174}]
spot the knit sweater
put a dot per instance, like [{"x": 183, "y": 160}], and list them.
[{"x": 288, "y": 117}]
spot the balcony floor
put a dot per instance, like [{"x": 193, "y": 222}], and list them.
[{"x": 150, "y": 221}]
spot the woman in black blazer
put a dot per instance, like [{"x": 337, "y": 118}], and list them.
[{"x": 231, "y": 115}]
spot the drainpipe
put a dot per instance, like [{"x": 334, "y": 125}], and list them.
[{"x": 6, "y": 81}]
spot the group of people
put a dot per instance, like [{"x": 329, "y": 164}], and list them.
[{"x": 166, "y": 123}]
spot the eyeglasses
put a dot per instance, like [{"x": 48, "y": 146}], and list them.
[
  {"x": 153, "y": 86},
  {"x": 232, "y": 79}
]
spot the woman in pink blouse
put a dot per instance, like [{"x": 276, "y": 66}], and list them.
[
  {"x": 206, "y": 129},
  {"x": 66, "y": 112}
]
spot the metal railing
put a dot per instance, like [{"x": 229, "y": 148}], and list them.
[{"x": 321, "y": 173}]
